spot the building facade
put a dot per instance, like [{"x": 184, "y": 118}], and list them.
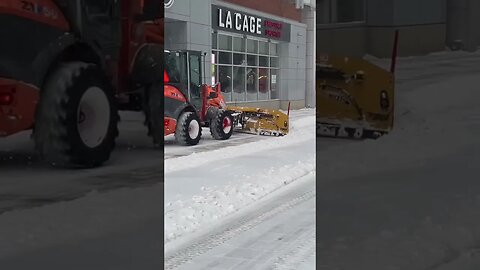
[
  {"x": 359, "y": 27},
  {"x": 261, "y": 52}
]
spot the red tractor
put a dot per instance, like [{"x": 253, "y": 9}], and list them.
[
  {"x": 189, "y": 103},
  {"x": 68, "y": 66}
]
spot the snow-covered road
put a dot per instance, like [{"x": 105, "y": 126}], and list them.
[
  {"x": 278, "y": 232},
  {"x": 26, "y": 182},
  {"x": 410, "y": 200},
  {"x": 206, "y": 183}
]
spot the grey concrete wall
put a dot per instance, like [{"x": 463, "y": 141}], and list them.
[
  {"x": 422, "y": 25},
  {"x": 309, "y": 18},
  {"x": 293, "y": 65},
  {"x": 344, "y": 40},
  {"x": 414, "y": 12},
  {"x": 463, "y": 21},
  {"x": 414, "y": 40}
]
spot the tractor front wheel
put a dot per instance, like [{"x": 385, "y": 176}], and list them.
[
  {"x": 221, "y": 126},
  {"x": 76, "y": 121},
  {"x": 189, "y": 129}
]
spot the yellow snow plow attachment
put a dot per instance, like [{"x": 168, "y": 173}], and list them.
[
  {"x": 260, "y": 121},
  {"x": 355, "y": 98}
]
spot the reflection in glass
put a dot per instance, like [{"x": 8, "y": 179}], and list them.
[
  {"x": 263, "y": 84},
  {"x": 225, "y": 78},
  {"x": 263, "y": 61},
  {"x": 274, "y": 94},
  {"x": 238, "y": 84},
  {"x": 238, "y": 44},
  {"x": 224, "y": 42},
  {"x": 252, "y": 60},
  {"x": 252, "y": 46},
  {"x": 252, "y": 81},
  {"x": 263, "y": 47},
  {"x": 224, "y": 57},
  {"x": 239, "y": 59}
]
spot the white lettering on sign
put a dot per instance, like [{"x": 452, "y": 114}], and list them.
[
  {"x": 220, "y": 21},
  {"x": 259, "y": 26},
  {"x": 240, "y": 22},
  {"x": 245, "y": 24},
  {"x": 228, "y": 24}
]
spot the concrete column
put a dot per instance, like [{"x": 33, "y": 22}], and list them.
[
  {"x": 309, "y": 18},
  {"x": 473, "y": 22}
]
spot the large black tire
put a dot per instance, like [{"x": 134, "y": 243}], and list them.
[
  {"x": 77, "y": 117},
  {"x": 221, "y": 126},
  {"x": 153, "y": 113},
  {"x": 189, "y": 129}
]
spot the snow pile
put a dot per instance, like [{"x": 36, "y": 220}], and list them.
[
  {"x": 275, "y": 164},
  {"x": 426, "y": 121}
]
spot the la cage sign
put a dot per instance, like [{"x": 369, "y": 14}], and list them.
[{"x": 239, "y": 22}]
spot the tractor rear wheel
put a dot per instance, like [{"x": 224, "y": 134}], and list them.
[
  {"x": 77, "y": 117},
  {"x": 189, "y": 129},
  {"x": 221, "y": 126}
]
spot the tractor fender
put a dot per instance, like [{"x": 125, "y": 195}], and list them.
[
  {"x": 184, "y": 108},
  {"x": 147, "y": 64},
  {"x": 67, "y": 48}
]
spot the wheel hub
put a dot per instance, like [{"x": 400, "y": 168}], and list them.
[
  {"x": 227, "y": 125},
  {"x": 193, "y": 129},
  {"x": 93, "y": 117}
]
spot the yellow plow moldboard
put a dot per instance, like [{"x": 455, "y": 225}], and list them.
[{"x": 258, "y": 121}]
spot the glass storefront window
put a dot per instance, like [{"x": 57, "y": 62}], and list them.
[
  {"x": 224, "y": 42},
  {"x": 214, "y": 74},
  {"x": 214, "y": 40},
  {"x": 239, "y": 59},
  {"x": 274, "y": 49},
  {"x": 252, "y": 60},
  {"x": 238, "y": 44},
  {"x": 238, "y": 84},
  {"x": 263, "y": 84},
  {"x": 247, "y": 68},
  {"x": 252, "y": 46},
  {"x": 224, "y": 58},
  {"x": 225, "y": 80},
  {"x": 263, "y": 47},
  {"x": 274, "y": 93},
  {"x": 274, "y": 62},
  {"x": 263, "y": 61},
  {"x": 252, "y": 80}
]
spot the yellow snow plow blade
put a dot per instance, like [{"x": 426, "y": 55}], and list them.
[
  {"x": 260, "y": 121},
  {"x": 355, "y": 98}
]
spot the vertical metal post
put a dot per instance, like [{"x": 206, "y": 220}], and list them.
[{"x": 394, "y": 52}]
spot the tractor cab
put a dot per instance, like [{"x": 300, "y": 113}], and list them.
[{"x": 184, "y": 71}]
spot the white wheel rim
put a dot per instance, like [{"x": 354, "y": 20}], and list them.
[
  {"x": 193, "y": 129},
  {"x": 227, "y": 125},
  {"x": 93, "y": 117}
]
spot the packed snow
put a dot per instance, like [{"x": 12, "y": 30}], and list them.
[{"x": 201, "y": 188}]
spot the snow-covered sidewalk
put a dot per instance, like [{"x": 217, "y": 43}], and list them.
[{"x": 202, "y": 188}]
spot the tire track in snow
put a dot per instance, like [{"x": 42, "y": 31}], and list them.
[
  {"x": 233, "y": 229},
  {"x": 301, "y": 249},
  {"x": 302, "y": 130}
]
